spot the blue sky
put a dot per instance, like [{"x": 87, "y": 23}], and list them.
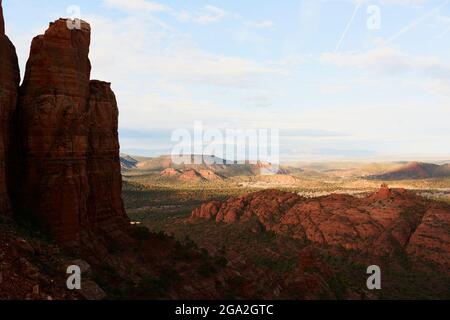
[{"x": 340, "y": 78}]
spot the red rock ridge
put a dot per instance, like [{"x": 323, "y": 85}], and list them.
[
  {"x": 389, "y": 222},
  {"x": 9, "y": 85}
]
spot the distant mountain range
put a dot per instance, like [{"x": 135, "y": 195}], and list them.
[
  {"x": 217, "y": 168},
  {"x": 198, "y": 163},
  {"x": 415, "y": 170}
]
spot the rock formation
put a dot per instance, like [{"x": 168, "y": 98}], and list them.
[
  {"x": 9, "y": 84},
  {"x": 69, "y": 148},
  {"x": 53, "y": 110},
  {"x": 191, "y": 175},
  {"x": 105, "y": 205},
  {"x": 170, "y": 172},
  {"x": 209, "y": 175},
  {"x": 390, "y": 222}
]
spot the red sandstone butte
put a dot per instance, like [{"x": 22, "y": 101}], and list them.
[
  {"x": 69, "y": 141},
  {"x": 9, "y": 86}
]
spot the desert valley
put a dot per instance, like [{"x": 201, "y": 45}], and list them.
[{"x": 334, "y": 213}]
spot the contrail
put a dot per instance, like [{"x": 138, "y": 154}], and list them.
[
  {"x": 348, "y": 27},
  {"x": 415, "y": 23}
]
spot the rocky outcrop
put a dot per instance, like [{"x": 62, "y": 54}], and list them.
[
  {"x": 387, "y": 223},
  {"x": 69, "y": 148},
  {"x": 191, "y": 175},
  {"x": 9, "y": 85},
  {"x": 170, "y": 172},
  {"x": 310, "y": 279},
  {"x": 31, "y": 269},
  {"x": 209, "y": 175},
  {"x": 105, "y": 205},
  {"x": 430, "y": 243},
  {"x": 53, "y": 110}
]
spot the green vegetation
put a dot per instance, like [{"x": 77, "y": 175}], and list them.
[{"x": 164, "y": 206}]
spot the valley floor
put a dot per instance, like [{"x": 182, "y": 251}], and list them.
[{"x": 166, "y": 206}]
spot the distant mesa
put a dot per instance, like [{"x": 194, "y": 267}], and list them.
[
  {"x": 414, "y": 170},
  {"x": 191, "y": 175}
]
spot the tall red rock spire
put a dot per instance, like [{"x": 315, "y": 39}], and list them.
[
  {"x": 68, "y": 125},
  {"x": 9, "y": 84}
]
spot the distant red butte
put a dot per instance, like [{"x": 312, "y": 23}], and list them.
[
  {"x": 191, "y": 175},
  {"x": 415, "y": 170},
  {"x": 170, "y": 172},
  {"x": 209, "y": 175},
  {"x": 388, "y": 222}
]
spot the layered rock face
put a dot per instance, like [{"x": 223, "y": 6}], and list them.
[
  {"x": 9, "y": 84},
  {"x": 53, "y": 108},
  {"x": 69, "y": 148},
  {"x": 105, "y": 205},
  {"x": 389, "y": 222}
]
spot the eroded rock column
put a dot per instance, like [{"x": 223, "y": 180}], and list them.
[{"x": 9, "y": 84}]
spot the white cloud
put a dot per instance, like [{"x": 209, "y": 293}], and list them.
[
  {"x": 388, "y": 60},
  {"x": 157, "y": 69},
  {"x": 143, "y": 47},
  {"x": 382, "y": 59},
  {"x": 405, "y": 3},
  {"x": 210, "y": 14},
  {"x": 206, "y": 15},
  {"x": 136, "y": 5},
  {"x": 183, "y": 16},
  {"x": 411, "y": 3},
  {"x": 260, "y": 24},
  {"x": 430, "y": 72}
]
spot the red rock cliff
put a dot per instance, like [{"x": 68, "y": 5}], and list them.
[
  {"x": 9, "y": 84},
  {"x": 105, "y": 206},
  {"x": 382, "y": 224},
  {"x": 69, "y": 143}
]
